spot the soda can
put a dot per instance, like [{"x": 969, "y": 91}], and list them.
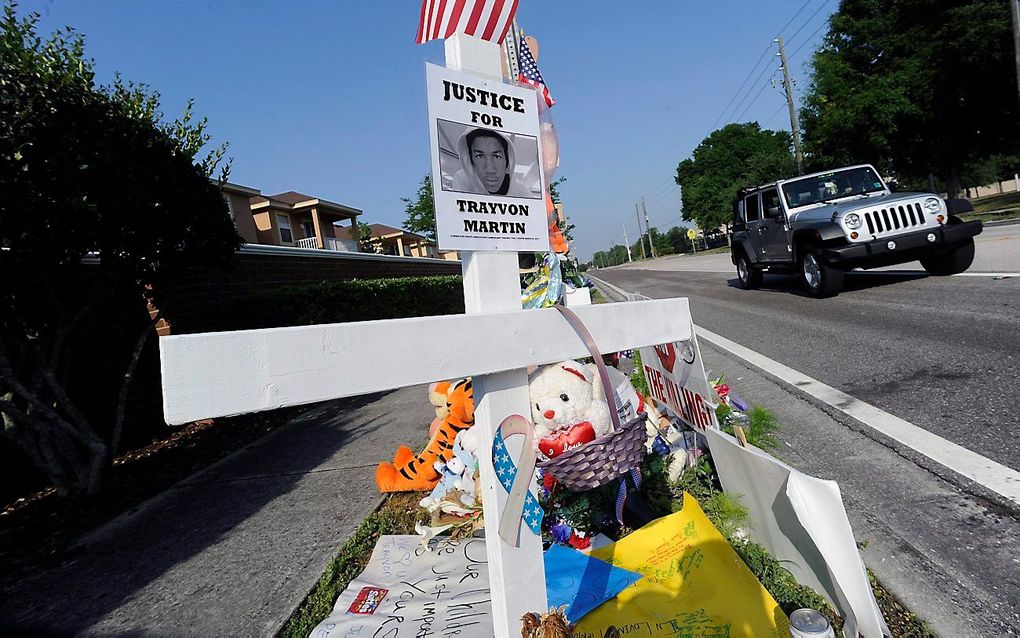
[{"x": 808, "y": 623}]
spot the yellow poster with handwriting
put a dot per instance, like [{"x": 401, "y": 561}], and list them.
[{"x": 695, "y": 585}]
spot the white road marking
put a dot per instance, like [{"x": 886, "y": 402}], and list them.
[
  {"x": 980, "y": 469},
  {"x": 892, "y": 273}
]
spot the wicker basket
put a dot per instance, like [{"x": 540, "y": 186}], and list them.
[
  {"x": 602, "y": 460},
  {"x": 607, "y": 457}
]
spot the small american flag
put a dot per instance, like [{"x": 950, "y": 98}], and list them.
[
  {"x": 485, "y": 19},
  {"x": 529, "y": 73}
]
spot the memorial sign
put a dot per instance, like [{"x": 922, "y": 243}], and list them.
[{"x": 487, "y": 174}]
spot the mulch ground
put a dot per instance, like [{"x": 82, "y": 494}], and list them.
[{"x": 37, "y": 529}]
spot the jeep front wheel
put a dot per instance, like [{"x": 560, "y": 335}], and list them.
[
  {"x": 820, "y": 279},
  {"x": 953, "y": 262},
  {"x": 749, "y": 276}
]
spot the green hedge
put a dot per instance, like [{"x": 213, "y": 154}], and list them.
[{"x": 342, "y": 301}]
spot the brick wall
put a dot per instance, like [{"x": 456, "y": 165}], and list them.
[{"x": 259, "y": 267}]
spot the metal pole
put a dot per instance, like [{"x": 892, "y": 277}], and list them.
[
  {"x": 794, "y": 127},
  {"x": 651, "y": 246},
  {"x": 641, "y": 237},
  {"x": 626, "y": 242}
]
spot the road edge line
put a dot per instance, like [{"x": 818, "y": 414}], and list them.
[{"x": 981, "y": 470}]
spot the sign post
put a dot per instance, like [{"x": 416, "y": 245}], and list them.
[{"x": 491, "y": 284}]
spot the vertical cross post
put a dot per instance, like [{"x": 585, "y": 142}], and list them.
[{"x": 492, "y": 284}]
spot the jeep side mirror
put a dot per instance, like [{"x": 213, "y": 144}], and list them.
[{"x": 772, "y": 211}]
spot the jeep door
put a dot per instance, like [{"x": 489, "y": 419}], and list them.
[
  {"x": 752, "y": 217},
  {"x": 775, "y": 235}
]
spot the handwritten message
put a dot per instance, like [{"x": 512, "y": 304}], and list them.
[
  {"x": 409, "y": 590},
  {"x": 694, "y": 585}
]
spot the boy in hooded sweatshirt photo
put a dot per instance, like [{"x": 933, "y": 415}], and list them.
[{"x": 487, "y": 165}]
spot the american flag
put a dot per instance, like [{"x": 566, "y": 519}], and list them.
[
  {"x": 485, "y": 19},
  {"x": 529, "y": 72}
]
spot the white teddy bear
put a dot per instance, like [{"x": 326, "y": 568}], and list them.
[{"x": 568, "y": 407}]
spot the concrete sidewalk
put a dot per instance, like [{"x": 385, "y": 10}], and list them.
[{"x": 234, "y": 549}]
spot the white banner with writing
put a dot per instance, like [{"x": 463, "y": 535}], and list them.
[
  {"x": 408, "y": 590},
  {"x": 487, "y": 179},
  {"x": 676, "y": 378}
]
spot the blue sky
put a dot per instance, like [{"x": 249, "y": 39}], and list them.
[{"x": 328, "y": 98}]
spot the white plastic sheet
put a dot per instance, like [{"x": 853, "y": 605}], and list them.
[{"x": 801, "y": 520}]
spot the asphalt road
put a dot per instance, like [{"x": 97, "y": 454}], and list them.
[{"x": 940, "y": 352}]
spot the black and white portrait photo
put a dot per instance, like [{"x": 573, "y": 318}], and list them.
[{"x": 488, "y": 162}]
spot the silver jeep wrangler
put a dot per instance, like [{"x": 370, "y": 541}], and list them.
[{"x": 824, "y": 224}]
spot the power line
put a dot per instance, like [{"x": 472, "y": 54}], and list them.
[
  {"x": 774, "y": 114},
  {"x": 664, "y": 195},
  {"x": 751, "y": 103},
  {"x": 668, "y": 183},
  {"x": 809, "y": 39},
  {"x": 790, "y": 21},
  {"x": 755, "y": 67},
  {"x": 739, "y": 90},
  {"x": 805, "y": 23}
]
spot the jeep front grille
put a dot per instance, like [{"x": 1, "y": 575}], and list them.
[{"x": 894, "y": 219}]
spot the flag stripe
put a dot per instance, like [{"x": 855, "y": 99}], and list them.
[
  {"x": 476, "y": 14},
  {"x": 458, "y": 9},
  {"x": 421, "y": 23},
  {"x": 486, "y": 19},
  {"x": 490, "y": 26},
  {"x": 509, "y": 21},
  {"x": 438, "y": 24}
]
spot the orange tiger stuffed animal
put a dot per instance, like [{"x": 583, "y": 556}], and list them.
[{"x": 409, "y": 471}]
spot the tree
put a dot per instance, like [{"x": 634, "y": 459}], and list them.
[
  {"x": 363, "y": 235},
  {"x": 554, "y": 194},
  {"x": 732, "y": 157},
  {"x": 915, "y": 87},
  {"x": 677, "y": 238},
  {"x": 87, "y": 171},
  {"x": 421, "y": 211}
]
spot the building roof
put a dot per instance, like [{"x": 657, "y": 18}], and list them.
[
  {"x": 231, "y": 187},
  {"x": 291, "y": 197},
  {"x": 383, "y": 231},
  {"x": 291, "y": 200}
]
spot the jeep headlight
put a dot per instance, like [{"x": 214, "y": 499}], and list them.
[
  {"x": 852, "y": 221},
  {"x": 933, "y": 205}
]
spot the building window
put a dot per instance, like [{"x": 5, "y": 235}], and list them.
[
  {"x": 308, "y": 228},
  {"x": 286, "y": 235}
]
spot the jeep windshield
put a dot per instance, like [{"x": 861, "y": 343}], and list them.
[{"x": 826, "y": 187}]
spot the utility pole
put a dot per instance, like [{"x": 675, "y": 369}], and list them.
[
  {"x": 640, "y": 235},
  {"x": 651, "y": 246},
  {"x": 626, "y": 242},
  {"x": 794, "y": 127},
  {"x": 1014, "y": 10}
]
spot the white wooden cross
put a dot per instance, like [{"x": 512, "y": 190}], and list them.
[{"x": 221, "y": 374}]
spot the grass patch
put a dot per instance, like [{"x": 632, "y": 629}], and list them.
[
  {"x": 991, "y": 217},
  {"x": 996, "y": 202},
  {"x": 598, "y": 297},
  {"x": 397, "y": 515},
  {"x": 637, "y": 375},
  {"x": 712, "y": 251}
]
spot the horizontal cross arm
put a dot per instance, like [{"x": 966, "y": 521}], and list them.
[{"x": 225, "y": 373}]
